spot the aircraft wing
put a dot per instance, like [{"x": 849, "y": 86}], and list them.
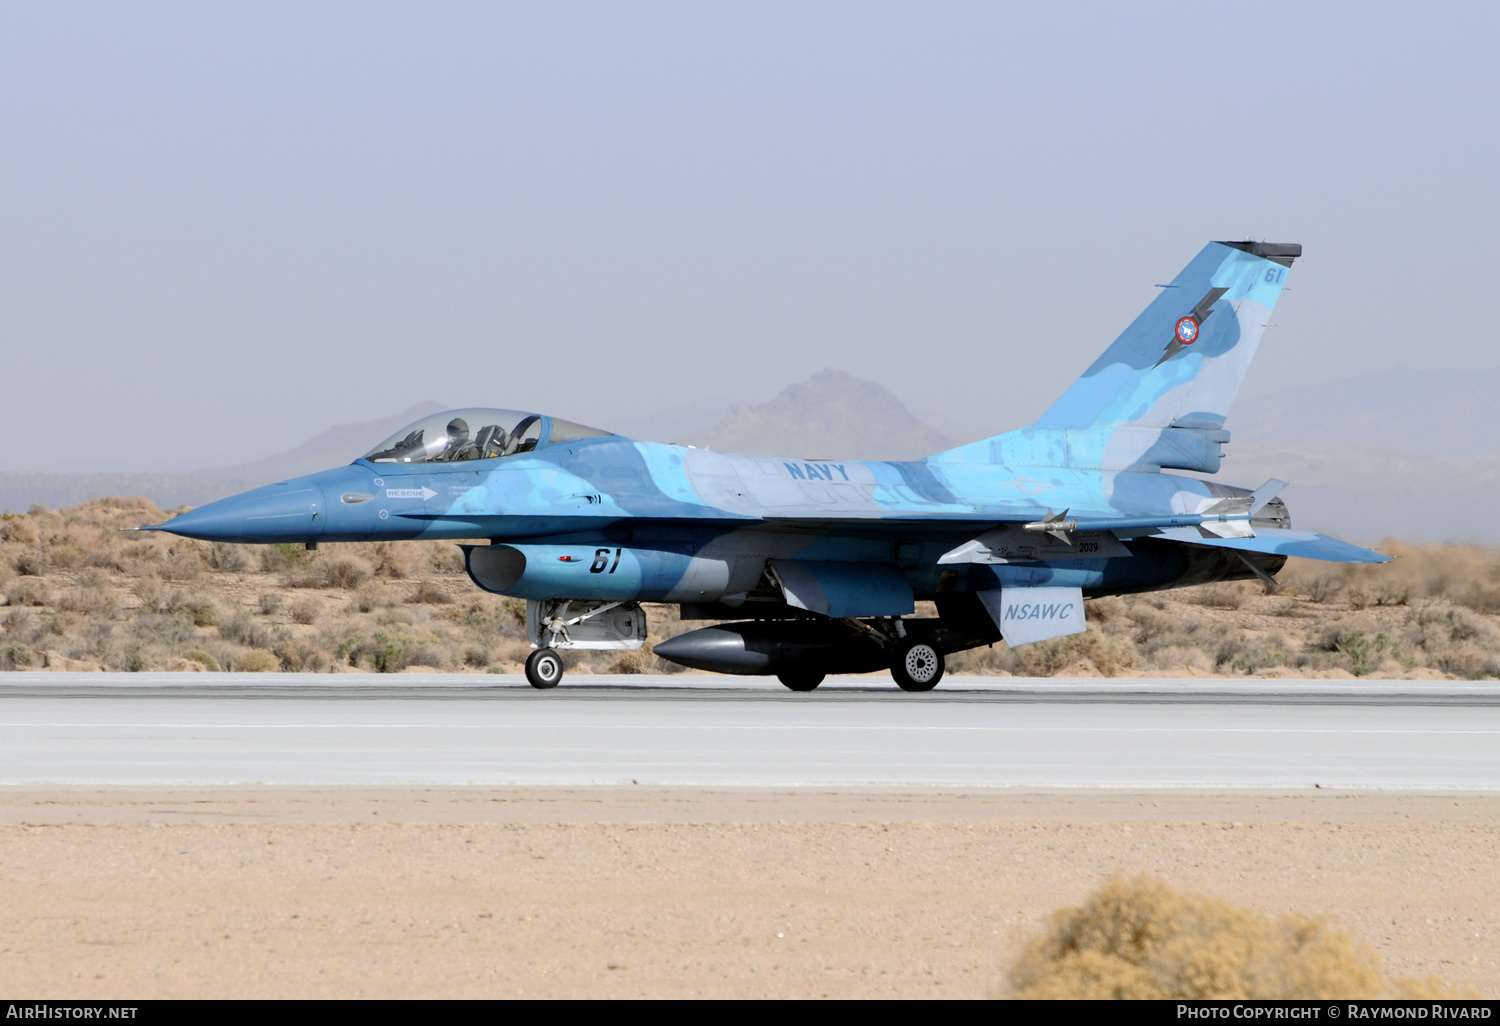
[{"x": 1278, "y": 541}]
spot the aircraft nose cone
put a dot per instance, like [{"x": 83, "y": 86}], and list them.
[{"x": 287, "y": 512}]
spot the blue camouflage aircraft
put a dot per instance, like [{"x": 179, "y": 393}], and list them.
[{"x": 813, "y": 566}]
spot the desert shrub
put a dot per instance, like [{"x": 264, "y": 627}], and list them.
[
  {"x": 1363, "y": 651},
  {"x": 988, "y": 659},
  {"x": 1468, "y": 661},
  {"x": 269, "y": 603},
  {"x": 242, "y": 630},
  {"x": 159, "y": 631},
  {"x": 391, "y": 559},
  {"x": 200, "y": 609},
  {"x": 17, "y": 528},
  {"x": 430, "y": 593},
  {"x": 642, "y": 660},
  {"x": 1216, "y": 596},
  {"x": 65, "y": 553},
  {"x": 284, "y": 557},
  {"x": 1241, "y": 653},
  {"x": 1141, "y": 938},
  {"x": 95, "y": 601},
  {"x": 202, "y": 658},
  {"x": 347, "y": 572},
  {"x": 226, "y": 558},
  {"x": 28, "y": 591},
  {"x": 256, "y": 660},
  {"x": 152, "y": 593},
  {"x": 445, "y": 559},
  {"x": 365, "y": 600},
  {"x": 181, "y": 563},
  {"x": 301, "y": 655},
  {"x": 1182, "y": 657},
  {"x": 305, "y": 612},
  {"x": 391, "y": 650},
  {"x": 476, "y": 657},
  {"x": 1107, "y": 653},
  {"x": 16, "y": 657},
  {"x": 30, "y": 562}
]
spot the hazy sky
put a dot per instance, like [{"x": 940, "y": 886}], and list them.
[{"x": 224, "y": 227}]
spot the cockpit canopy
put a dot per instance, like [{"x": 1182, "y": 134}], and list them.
[{"x": 476, "y": 434}]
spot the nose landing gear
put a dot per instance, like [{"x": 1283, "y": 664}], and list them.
[{"x": 544, "y": 669}]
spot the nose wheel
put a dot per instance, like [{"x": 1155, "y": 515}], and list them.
[
  {"x": 918, "y": 666},
  {"x": 544, "y": 669}
]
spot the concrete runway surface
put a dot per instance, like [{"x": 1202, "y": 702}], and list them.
[{"x": 446, "y": 730}]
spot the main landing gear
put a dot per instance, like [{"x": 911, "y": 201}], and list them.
[
  {"x": 917, "y": 666},
  {"x": 544, "y": 669}
]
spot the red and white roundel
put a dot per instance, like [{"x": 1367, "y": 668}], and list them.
[{"x": 1187, "y": 331}]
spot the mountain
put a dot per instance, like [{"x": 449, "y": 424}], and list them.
[
  {"x": 833, "y": 415},
  {"x": 672, "y": 424},
  {"x": 340, "y": 444}
]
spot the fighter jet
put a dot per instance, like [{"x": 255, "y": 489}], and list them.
[{"x": 811, "y": 566}]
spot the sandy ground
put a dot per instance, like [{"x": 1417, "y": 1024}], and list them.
[{"x": 632, "y": 892}]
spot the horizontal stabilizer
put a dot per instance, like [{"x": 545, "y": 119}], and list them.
[{"x": 1274, "y": 541}]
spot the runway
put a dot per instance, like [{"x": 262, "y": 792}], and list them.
[{"x": 691, "y": 730}]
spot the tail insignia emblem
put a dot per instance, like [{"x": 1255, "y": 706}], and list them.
[{"x": 1185, "y": 333}]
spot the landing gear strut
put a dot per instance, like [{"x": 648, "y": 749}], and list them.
[
  {"x": 544, "y": 668},
  {"x": 917, "y": 665}
]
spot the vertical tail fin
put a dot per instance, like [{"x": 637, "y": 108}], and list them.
[{"x": 1159, "y": 395}]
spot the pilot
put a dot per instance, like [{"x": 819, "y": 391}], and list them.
[{"x": 459, "y": 446}]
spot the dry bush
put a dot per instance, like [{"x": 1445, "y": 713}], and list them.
[
  {"x": 284, "y": 557},
  {"x": 28, "y": 591},
  {"x": 301, "y": 655},
  {"x": 269, "y": 603},
  {"x": 256, "y": 660},
  {"x": 241, "y": 630},
  {"x": 990, "y": 660},
  {"x": 30, "y": 562},
  {"x": 391, "y": 559},
  {"x": 1140, "y": 938},
  {"x": 347, "y": 572},
  {"x": 227, "y": 558},
  {"x": 305, "y": 612},
  {"x": 18, "y": 528},
  {"x": 393, "y": 649},
  {"x": 1181, "y": 657},
  {"x": 368, "y": 599},
  {"x": 1108, "y": 654},
  {"x": 202, "y": 658},
  {"x": 430, "y": 593},
  {"x": 181, "y": 563},
  {"x": 16, "y": 657},
  {"x": 94, "y": 601},
  {"x": 1229, "y": 595}
]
